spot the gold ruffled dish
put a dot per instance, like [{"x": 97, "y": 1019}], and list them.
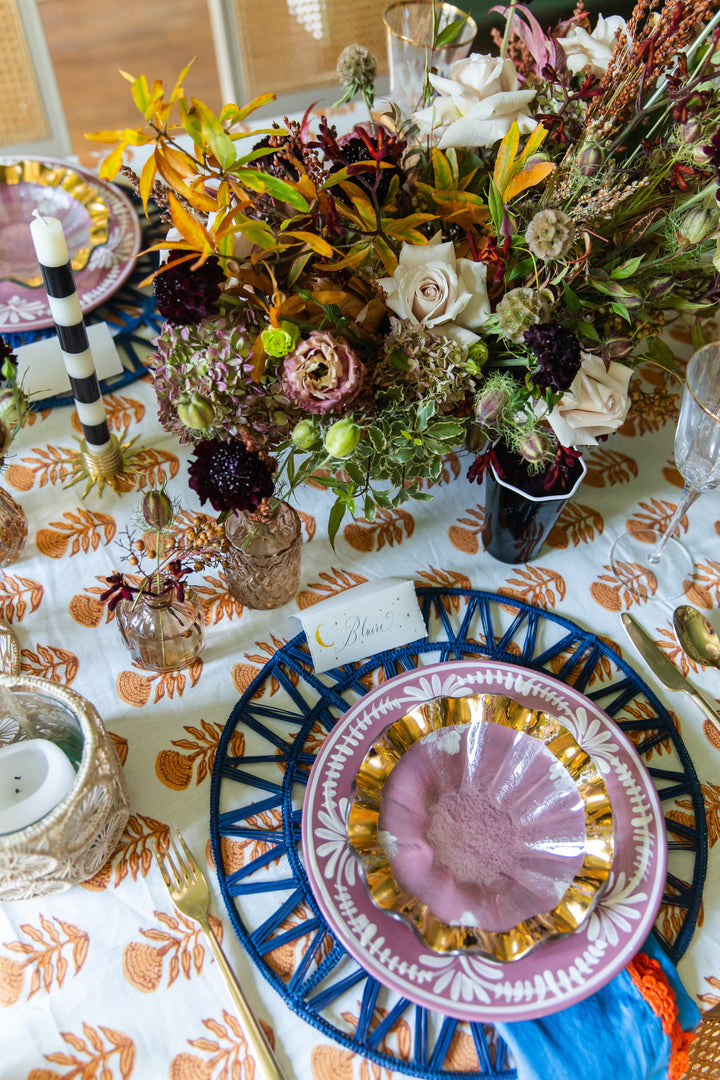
[
  {"x": 79, "y": 205},
  {"x": 483, "y": 824}
]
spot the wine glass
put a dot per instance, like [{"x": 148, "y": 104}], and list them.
[{"x": 652, "y": 563}]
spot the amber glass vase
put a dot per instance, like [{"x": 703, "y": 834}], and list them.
[
  {"x": 162, "y": 632},
  {"x": 262, "y": 566},
  {"x": 13, "y": 528}
]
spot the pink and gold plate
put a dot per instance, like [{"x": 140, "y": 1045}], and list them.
[
  {"x": 483, "y": 824},
  {"x": 100, "y": 225},
  {"x": 565, "y": 967}
]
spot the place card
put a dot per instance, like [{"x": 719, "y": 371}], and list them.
[
  {"x": 362, "y": 621},
  {"x": 41, "y": 370}
]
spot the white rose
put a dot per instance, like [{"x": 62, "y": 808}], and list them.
[
  {"x": 592, "y": 50},
  {"x": 431, "y": 287},
  {"x": 596, "y": 403},
  {"x": 477, "y": 104}
]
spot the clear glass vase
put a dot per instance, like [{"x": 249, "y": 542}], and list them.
[
  {"x": 262, "y": 565},
  {"x": 162, "y": 632},
  {"x": 13, "y": 528}
]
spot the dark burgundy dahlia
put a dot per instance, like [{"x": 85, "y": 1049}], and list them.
[
  {"x": 229, "y": 475},
  {"x": 557, "y": 351},
  {"x": 184, "y": 295}
]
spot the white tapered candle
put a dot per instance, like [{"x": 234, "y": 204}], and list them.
[{"x": 52, "y": 254}]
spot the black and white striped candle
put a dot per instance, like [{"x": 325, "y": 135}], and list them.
[{"x": 52, "y": 254}]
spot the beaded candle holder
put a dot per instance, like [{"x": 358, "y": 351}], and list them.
[{"x": 75, "y": 838}]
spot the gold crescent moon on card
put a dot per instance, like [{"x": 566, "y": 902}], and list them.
[{"x": 324, "y": 644}]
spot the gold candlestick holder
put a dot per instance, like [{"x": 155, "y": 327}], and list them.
[{"x": 114, "y": 466}]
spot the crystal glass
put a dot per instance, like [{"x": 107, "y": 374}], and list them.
[
  {"x": 13, "y": 528},
  {"x": 409, "y": 37},
  {"x": 162, "y": 632},
  {"x": 654, "y": 562},
  {"x": 262, "y": 566}
]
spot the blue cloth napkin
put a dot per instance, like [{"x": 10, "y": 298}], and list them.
[{"x": 613, "y": 1035}]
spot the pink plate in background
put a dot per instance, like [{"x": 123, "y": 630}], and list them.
[
  {"x": 24, "y": 307},
  {"x": 558, "y": 973}
]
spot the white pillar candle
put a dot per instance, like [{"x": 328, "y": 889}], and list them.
[
  {"x": 52, "y": 254},
  {"x": 35, "y": 775}
]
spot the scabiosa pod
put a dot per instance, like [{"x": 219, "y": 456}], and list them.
[
  {"x": 550, "y": 234},
  {"x": 518, "y": 310}
]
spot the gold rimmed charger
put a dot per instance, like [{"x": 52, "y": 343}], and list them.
[
  {"x": 365, "y": 833},
  {"x": 60, "y": 176}
]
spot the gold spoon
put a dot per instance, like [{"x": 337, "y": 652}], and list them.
[{"x": 696, "y": 636}]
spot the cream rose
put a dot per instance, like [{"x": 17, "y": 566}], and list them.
[
  {"x": 477, "y": 103},
  {"x": 596, "y": 403},
  {"x": 592, "y": 50},
  {"x": 431, "y": 287}
]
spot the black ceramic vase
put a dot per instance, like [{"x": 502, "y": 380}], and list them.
[{"x": 516, "y": 524}]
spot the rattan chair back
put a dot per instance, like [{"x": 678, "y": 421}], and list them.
[
  {"x": 291, "y": 46},
  {"x": 31, "y": 119}
]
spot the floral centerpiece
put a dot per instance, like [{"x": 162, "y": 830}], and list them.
[{"x": 490, "y": 268}]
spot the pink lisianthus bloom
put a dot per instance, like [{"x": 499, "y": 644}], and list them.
[{"x": 322, "y": 374}]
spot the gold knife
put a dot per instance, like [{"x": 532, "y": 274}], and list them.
[{"x": 665, "y": 669}]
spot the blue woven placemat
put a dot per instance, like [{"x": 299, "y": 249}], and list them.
[{"x": 461, "y": 623}]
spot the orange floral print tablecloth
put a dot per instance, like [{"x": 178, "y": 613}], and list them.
[{"x": 108, "y": 981}]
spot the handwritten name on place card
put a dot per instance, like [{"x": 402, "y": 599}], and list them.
[{"x": 368, "y": 619}]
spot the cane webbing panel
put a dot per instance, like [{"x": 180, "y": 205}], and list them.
[
  {"x": 22, "y": 118},
  {"x": 289, "y": 45},
  {"x": 705, "y": 1051}
]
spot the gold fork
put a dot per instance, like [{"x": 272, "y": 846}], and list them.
[{"x": 190, "y": 894}]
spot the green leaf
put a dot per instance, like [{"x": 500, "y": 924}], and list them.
[
  {"x": 448, "y": 34},
  {"x": 662, "y": 353},
  {"x": 496, "y": 207},
  {"x": 420, "y": 496},
  {"x": 337, "y": 513},
  {"x": 219, "y": 142},
  {"x": 697, "y": 335},
  {"x": 571, "y": 299},
  {"x": 426, "y": 410},
  {"x": 141, "y": 93},
  {"x": 627, "y": 269},
  {"x": 272, "y": 185},
  {"x": 621, "y": 310},
  {"x": 257, "y": 232},
  {"x": 376, "y": 437},
  {"x": 370, "y": 508},
  {"x": 589, "y": 331},
  {"x": 355, "y": 473},
  {"x": 445, "y": 429}
]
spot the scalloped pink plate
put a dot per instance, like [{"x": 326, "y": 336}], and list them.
[
  {"x": 558, "y": 973},
  {"x": 25, "y": 308}
]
